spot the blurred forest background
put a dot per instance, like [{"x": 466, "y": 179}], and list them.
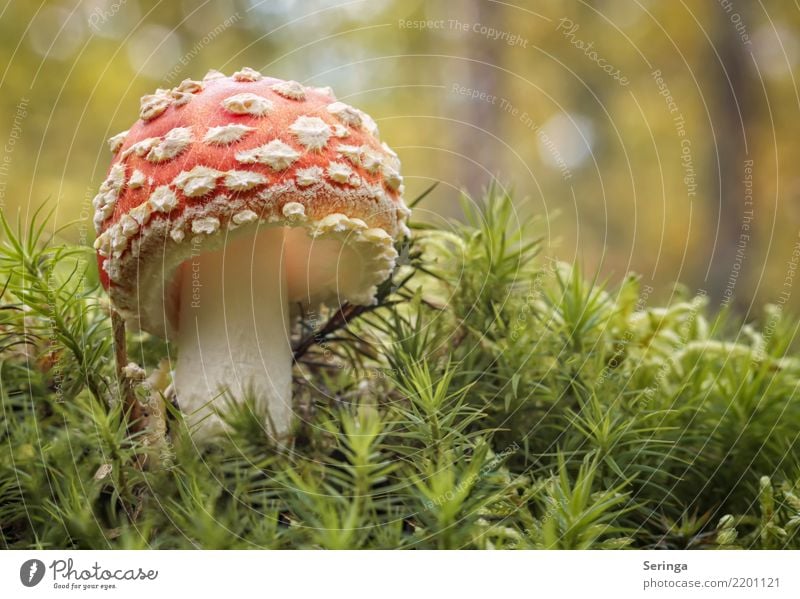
[{"x": 658, "y": 137}]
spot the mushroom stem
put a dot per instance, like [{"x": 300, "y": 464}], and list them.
[{"x": 234, "y": 332}]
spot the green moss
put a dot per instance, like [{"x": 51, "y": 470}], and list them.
[{"x": 493, "y": 398}]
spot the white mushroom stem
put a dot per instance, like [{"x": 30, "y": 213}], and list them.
[{"x": 234, "y": 332}]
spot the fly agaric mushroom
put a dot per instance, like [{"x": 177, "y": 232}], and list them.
[{"x": 231, "y": 200}]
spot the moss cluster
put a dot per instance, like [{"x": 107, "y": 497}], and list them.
[{"x": 493, "y": 398}]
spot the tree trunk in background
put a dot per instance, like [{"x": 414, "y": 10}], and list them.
[
  {"x": 732, "y": 115},
  {"x": 481, "y": 116}
]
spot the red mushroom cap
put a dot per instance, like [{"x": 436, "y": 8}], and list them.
[{"x": 208, "y": 157}]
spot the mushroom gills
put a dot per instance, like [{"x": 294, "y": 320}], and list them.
[
  {"x": 320, "y": 270},
  {"x": 233, "y": 332}
]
